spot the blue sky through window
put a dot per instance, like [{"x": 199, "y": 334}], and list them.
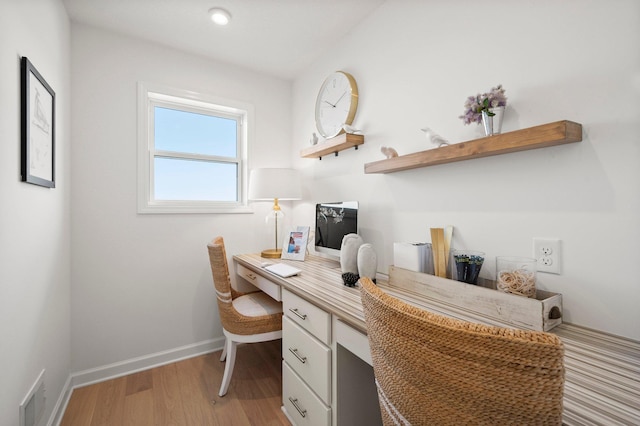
[
  {"x": 178, "y": 179},
  {"x": 183, "y": 131},
  {"x": 200, "y": 134}
]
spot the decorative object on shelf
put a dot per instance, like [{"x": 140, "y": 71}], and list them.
[
  {"x": 543, "y": 136},
  {"x": 350, "y": 279},
  {"x": 274, "y": 184},
  {"x": 492, "y": 120},
  {"x": 516, "y": 275},
  {"x": 440, "y": 244},
  {"x": 434, "y": 138},
  {"x": 367, "y": 262},
  {"x": 351, "y": 130},
  {"x": 349, "y": 253},
  {"x": 389, "y": 152},
  {"x": 37, "y": 127},
  {"x": 486, "y": 104},
  {"x": 314, "y": 139},
  {"x": 336, "y": 104},
  {"x": 467, "y": 265}
]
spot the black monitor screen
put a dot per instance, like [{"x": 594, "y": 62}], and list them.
[{"x": 333, "y": 222}]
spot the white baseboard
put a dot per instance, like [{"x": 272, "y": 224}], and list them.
[{"x": 123, "y": 368}]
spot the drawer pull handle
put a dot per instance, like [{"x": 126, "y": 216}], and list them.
[
  {"x": 302, "y": 359},
  {"x": 251, "y": 277},
  {"x": 302, "y": 412},
  {"x": 298, "y": 314}
]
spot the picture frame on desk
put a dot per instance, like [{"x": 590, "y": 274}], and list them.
[
  {"x": 295, "y": 244},
  {"x": 37, "y": 127}
]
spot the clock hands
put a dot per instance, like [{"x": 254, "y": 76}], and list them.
[
  {"x": 340, "y": 98},
  {"x": 338, "y": 101}
]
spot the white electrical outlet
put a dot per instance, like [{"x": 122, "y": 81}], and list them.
[{"x": 547, "y": 252}]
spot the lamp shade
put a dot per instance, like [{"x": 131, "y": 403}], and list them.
[{"x": 268, "y": 184}]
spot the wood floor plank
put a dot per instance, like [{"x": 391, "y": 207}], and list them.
[
  {"x": 185, "y": 393},
  {"x": 81, "y": 405},
  {"x": 139, "y": 409},
  {"x": 195, "y": 394},
  {"x": 138, "y": 382},
  {"x": 256, "y": 386},
  {"x": 167, "y": 401},
  {"x": 110, "y": 406},
  {"x": 228, "y": 409}
]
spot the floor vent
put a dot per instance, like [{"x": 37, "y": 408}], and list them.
[{"x": 32, "y": 407}]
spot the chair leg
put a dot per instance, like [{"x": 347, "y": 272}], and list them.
[
  {"x": 224, "y": 351},
  {"x": 230, "y": 348}
]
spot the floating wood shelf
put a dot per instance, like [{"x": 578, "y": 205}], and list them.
[
  {"x": 333, "y": 145},
  {"x": 551, "y": 134}
]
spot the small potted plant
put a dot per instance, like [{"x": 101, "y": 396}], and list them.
[{"x": 486, "y": 105}]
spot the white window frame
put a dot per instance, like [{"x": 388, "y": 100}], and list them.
[{"x": 152, "y": 95}]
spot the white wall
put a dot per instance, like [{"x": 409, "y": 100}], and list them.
[
  {"x": 416, "y": 62},
  {"x": 142, "y": 283},
  {"x": 34, "y": 221}
]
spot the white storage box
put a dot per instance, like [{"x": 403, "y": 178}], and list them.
[{"x": 413, "y": 256}]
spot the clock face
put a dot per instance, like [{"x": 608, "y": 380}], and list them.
[{"x": 336, "y": 104}]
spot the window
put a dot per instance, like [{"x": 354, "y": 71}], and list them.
[{"x": 191, "y": 152}]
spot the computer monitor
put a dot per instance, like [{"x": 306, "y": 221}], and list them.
[{"x": 334, "y": 221}]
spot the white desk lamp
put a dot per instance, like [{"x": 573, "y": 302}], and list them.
[{"x": 274, "y": 184}]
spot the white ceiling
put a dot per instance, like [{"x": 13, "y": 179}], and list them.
[{"x": 277, "y": 37}]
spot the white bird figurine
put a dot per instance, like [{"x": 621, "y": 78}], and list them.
[
  {"x": 350, "y": 129},
  {"x": 314, "y": 139},
  {"x": 434, "y": 138},
  {"x": 389, "y": 152}
]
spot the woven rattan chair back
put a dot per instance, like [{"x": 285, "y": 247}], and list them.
[
  {"x": 435, "y": 370},
  {"x": 232, "y": 320},
  {"x": 246, "y": 317}
]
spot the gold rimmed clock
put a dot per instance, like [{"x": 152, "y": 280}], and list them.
[{"x": 336, "y": 104}]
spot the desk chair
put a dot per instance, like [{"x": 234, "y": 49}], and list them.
[
  {"x": 434, "y": 370},
  {"x": 246, "y": 317}
]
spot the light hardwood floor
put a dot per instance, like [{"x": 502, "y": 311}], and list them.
[{"x": 186, "y": 393}]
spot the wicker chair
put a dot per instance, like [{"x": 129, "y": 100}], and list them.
[
  {"x": 434, "y": 370},
  {"x": 246, "y": 318}
]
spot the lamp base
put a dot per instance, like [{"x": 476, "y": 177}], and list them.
[{"x": 271, "y": 253}]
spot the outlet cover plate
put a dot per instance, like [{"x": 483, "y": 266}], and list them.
[{"x": 547, "y": 252}]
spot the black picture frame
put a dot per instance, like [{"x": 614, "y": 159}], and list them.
[{"x": 38, "y": 104}]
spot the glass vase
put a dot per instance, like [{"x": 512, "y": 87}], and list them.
[{"x": 516, "y": 275}]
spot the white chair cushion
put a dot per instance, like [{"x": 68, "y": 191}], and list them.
[{"x": 256, "y": 304}]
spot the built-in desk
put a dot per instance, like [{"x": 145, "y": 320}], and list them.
[{"x": 602, "y": 384}]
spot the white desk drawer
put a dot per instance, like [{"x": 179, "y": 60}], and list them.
[
  {"x": 307, "y": 357},
  {"x": 301, "y": 405},
  {"x": 353, "y": 340},
  {"x": 272, "y": 289},
  {"x": 308, "y": 316}
]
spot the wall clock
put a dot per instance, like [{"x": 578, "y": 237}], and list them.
[{"x": 336, "y": 103}]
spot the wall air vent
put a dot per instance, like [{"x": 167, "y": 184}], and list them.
[{"x": 32, "y": 406}]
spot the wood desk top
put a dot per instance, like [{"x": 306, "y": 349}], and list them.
[{"x": 320, "y": 282}]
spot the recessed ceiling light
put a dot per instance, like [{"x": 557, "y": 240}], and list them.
[{"x": 219, "y": 16}]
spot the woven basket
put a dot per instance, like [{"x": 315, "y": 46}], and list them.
[
  {"x": 232, "y": 320},
  {"x": 435, "y": 370}
]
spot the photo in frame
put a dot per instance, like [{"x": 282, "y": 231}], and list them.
[
  {"x": 37, "y": 127},
  {"x": 295, "y": 244}
]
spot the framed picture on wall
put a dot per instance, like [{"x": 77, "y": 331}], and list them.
[
  {"x": 38, "y": 103},
  {"x": 295, "y": 244}
]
